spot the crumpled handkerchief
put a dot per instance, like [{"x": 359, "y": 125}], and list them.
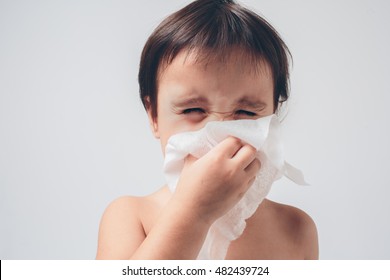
[{"x": 264, "y": 135}]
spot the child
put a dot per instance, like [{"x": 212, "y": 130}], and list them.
[{"x": 211, "y": 60}]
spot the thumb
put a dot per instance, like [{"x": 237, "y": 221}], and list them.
[{"x": 189, "y": 160}]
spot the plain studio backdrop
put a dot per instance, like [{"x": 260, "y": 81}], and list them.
[{"x": 74, "y": 135}]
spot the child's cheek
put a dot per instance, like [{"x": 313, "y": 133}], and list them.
[{"x": 192, "y": 123}]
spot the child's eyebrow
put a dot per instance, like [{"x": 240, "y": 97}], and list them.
[
  {"x": 251, "y": 103},
  {"x": 192, "y": 101},
  {"x": 246, "y": 102}
]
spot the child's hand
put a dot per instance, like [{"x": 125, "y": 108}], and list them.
[{"x": 210, "y": 186}]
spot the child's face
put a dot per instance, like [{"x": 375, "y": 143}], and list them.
[{"x": 190, "y": 94}]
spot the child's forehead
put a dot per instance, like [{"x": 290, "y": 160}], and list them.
[
  {"x": 234, "y": 58},
  {"x": 190, "y": 74}
]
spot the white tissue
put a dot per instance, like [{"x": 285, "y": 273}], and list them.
[{"x": 264, "y": 135}]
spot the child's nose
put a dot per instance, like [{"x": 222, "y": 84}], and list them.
[{"x": 221, "y": 116}]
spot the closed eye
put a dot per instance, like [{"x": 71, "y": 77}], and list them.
[
  {"x": 193, "y": 110},
  {"x": 246, "y": 113}
]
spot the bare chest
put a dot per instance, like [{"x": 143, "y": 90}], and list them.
[
  {"x": 263, "y": 238},
  {"x": 263, "y": 241}
]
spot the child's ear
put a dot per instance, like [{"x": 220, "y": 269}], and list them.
[{"x": 152, "y": 121}]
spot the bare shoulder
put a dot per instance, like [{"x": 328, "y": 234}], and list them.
[
  {"x": 298, "y": 225},
  {"x": 123, "y": 225},
  {"x": 119, "y": 222}
]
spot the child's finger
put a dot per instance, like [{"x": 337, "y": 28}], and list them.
[
  {"x": 189, "y": 160},
  {"x": 245, "y": 156},
  {"x": 228, "y": 147},
  {"x": 251, "y": 181},
  {"x": 253, "y": 168}
]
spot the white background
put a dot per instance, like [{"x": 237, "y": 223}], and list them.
[{"x": 74, "y": 136}]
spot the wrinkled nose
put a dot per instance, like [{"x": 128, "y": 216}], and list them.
[{"x": 221, "y": 116}]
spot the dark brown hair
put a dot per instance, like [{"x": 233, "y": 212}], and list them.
[{"x": 213, "y": 28}]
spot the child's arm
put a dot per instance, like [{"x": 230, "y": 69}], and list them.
[
  {"x": 207, "y": 189},
  {"x": 309, "y": 238}
]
